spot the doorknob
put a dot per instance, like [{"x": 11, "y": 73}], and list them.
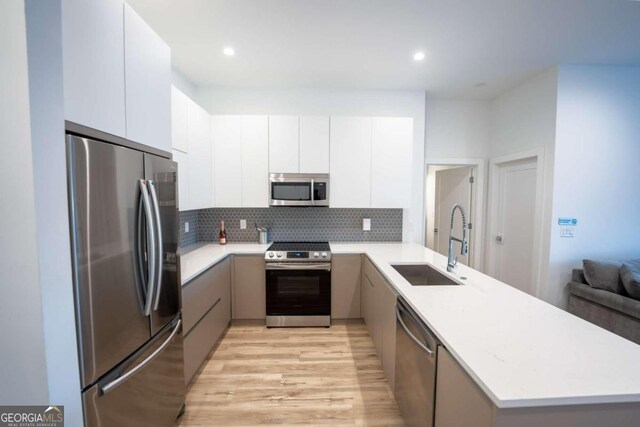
[{"x": 499, "y": 239}]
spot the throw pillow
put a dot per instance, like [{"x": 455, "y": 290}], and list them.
[
  {"x": 603, "y": 275},
  {"x": 630, "y": 275}
]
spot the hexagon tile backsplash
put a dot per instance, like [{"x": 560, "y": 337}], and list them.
[{"x": 293, "y": 224}]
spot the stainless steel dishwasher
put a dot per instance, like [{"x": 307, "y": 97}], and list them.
[{"x": 416, "y": 363}]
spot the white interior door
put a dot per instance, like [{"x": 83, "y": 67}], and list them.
[
  {"x": 513, "y": 239},
  {"x": 453, "y": 186}
]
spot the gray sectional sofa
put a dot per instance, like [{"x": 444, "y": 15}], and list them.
[{"x": 616, "y": 312}]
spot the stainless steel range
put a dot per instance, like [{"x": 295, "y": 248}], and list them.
[{"x": 298, "y": 284}]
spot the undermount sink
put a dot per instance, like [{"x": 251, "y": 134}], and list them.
[{"x": 423, "y": 275}]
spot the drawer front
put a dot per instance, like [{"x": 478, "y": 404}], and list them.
[
  {"x": 199, "y": 295},
  {"x": 201, "y": 339}
]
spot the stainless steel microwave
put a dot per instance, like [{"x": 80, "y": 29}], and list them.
[{"x": 292, "y": 189}]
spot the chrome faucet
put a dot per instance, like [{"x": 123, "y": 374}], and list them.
[{"x": 453, "y": 261}]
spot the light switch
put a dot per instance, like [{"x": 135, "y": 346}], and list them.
[
  {"x": 567, "y": 231},
  {"x": 366, "y": 224},
  {"x": 243, "y": 224},
  {"x": 186, "y": 226}
]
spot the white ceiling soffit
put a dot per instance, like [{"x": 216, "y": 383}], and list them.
[{"x": 369, "y": 44}]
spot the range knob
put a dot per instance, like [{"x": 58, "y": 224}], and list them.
[
  {"x": 316, "y": 254},
  {"x": 324, "y": 254},
  {"x": 279, "y": 254},
  {"x": 270, "y": 254}
]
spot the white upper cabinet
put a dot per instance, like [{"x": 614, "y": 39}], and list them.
[
  {"x": 227, "y": 155},
  {"x": 255, "y": 167},
  {"x": 200, "y": 162},
  {"x": 314, "y": 144},
  {"x": 183, "y": 179},
  {"x": 147, "y": 64},
  {"x": 93, "y": 61},
  {"x": 179, "y": 120},
  {"x": 391, "y": 152},
  {"x": 350, "y": 165},
  {"x": 284, "y": 144}
]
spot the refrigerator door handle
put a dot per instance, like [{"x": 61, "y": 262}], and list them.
[
  {"x": 159, "y": 248},
  {"x": 115, "y": 383},
  {"x": 151, "y": 247}
]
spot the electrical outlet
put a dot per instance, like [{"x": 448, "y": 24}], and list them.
[
  {"x": 243, "y": 224},
  {"x": 186, "y": 226},
  {"x": 366, "y": 224}
]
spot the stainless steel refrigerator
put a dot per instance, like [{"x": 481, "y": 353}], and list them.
[{"x": 124, "y": 234}]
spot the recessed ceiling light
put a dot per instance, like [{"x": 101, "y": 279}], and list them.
[
  {"x": 418, "y": 56},
  {"x": 229, "y": 51}
]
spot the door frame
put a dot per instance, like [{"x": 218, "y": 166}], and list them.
[
  {"x": 495, "y": 164},
  {"x": 477, "y": 261}
]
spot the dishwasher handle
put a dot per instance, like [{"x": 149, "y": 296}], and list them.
[{"x": 424, "y": 347}]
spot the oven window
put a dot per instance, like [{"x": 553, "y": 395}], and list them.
[
  {"x": 294, "y": 191},
  {"x": 298, "y": 293}
]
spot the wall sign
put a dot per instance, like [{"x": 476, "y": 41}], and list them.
[{"x": 568, "y": 222}]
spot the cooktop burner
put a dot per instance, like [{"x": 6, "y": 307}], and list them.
[
  {"x": 300, "y": 246},
  {"x": 298, "y": 251}
]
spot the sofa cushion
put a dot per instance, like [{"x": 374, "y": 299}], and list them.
[
  {"x": 603, "y": 275},
  {"x": 630, "y": 275},
  {"x": 619, "y": 303}
]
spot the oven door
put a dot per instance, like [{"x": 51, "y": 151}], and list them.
[{"x": 298, "y": 289}]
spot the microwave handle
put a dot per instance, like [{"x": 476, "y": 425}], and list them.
[{"x": 312, "y": 190}]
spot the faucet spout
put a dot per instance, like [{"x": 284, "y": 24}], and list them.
[{"x": 452, "y": 261}]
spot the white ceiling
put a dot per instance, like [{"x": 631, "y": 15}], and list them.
[{"x": 357, "y": 44}]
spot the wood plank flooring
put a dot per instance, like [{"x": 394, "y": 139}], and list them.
[{"x": 303, "y": 376}]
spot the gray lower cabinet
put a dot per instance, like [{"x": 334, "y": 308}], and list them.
[
  {"x": 379, "y": 304},
  {"x": 249, "y": 288},
  {"x": 206, "y": 312},
  {"x": 461, "y": 403},
  {"x": 346, "y": 279}
]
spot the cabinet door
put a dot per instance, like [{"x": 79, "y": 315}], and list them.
[
  {"x": 93, "y": 63},
  {"x": 350, "y": 163},
  {"x": 391, "y": 151},
  {"x": 388, "y": 327},
  {"x": 249, "y": 293},
  {"x": 200, "y": 161},
  {"x": 367, "y": 304},
  {"x": 255, "y": 163},
  {"x": 183, "y": 179},
  {"x": 346, "y": 279},
  {"x": 179, "y": 122},
  {"x": 314, "y": 144},
  {"x": 283, "y": 144},
  {"x": 459, "y": 401},
  {"x": 147, "y": 65},
  {"x": 227, "y": 157}
]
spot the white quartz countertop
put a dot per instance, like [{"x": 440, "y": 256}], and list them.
[{"x": 520, "y": 350}]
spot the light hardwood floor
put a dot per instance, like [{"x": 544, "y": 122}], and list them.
[{"x": 305, "y": 376}]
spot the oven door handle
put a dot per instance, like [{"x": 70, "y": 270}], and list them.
[{"x": 326, "y": 266}]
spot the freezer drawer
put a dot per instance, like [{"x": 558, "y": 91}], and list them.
[{"x": 152, "y": 396}]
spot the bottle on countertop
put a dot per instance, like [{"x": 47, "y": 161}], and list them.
[{"x": 222, "y": 237}]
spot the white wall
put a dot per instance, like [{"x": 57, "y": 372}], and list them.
[
  {"x": 456, "y": 128},
  {"x": 183, "y": 84},
  {"x": 23, "y": 372},
  {"x": 44, "y": 46},
  {"x": 336, "y": 103},
  {"x": 524, "y": 119},
  {"x": 597, "y": 169}
]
